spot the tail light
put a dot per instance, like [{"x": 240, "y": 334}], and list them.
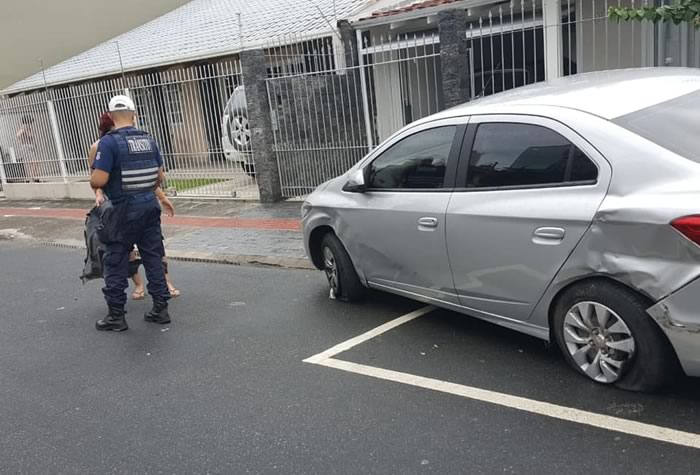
[{"x": 688, "y": 226}]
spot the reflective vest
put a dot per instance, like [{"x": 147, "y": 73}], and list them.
[{"x": 136, "y": 168}]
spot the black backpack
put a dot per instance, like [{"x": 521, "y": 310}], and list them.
[{"x": 95, "y": 248}]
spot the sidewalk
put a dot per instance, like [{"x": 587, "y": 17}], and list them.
[{"x": 205, "y": 231}]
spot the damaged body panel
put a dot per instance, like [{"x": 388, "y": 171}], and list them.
[
  {"x": 679, "y": 317},
  {"x": 630, "y": 239}
]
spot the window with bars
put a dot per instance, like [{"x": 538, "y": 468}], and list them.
[
  {"x": 141, "y": 98},
  {"x": 173, "y": 99},
  {"x": 299, "y": 58}
]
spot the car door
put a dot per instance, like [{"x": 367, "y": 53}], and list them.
[
  {"x": 395, "y": 230},
  {"x": 525, "y": 194}
]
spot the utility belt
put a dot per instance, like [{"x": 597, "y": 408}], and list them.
[
  {"x": 112, "y": 214},
  {"x": 140, "y": 198}
]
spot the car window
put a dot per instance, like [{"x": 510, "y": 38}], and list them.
[
  {"x": 508, "y": 155},
  {"x": 416, "y": 162},
  {"x": 582, "y": 168}
]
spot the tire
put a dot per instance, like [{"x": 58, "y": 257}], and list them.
[
  {"x": 647, "y": 363},
  {"x": 342, "y": 278}
]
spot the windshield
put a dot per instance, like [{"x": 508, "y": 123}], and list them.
[{"x": 675, "y": 125}]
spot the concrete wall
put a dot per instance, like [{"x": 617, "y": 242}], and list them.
[
  {"x": 188, "y": 139},
  {"x": 48, "y": 191}
]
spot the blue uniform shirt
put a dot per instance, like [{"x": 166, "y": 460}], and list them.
[{"x": 108, "y": 153}]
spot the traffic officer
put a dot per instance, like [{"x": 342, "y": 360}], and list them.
[{"x": 128, "y": 167}]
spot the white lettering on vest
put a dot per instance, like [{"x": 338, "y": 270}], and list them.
[{"x": 139, "y": 145}]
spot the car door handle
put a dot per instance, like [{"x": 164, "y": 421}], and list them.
[
  {"x": 548, "y": 235},
  {"x": 427, "y": 222}
]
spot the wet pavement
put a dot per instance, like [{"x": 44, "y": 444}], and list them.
[
  {"x": 221, "y": 231},
  {"x": 225, "y": 389}
]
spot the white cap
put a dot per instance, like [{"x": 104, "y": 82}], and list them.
[{"x": 121, "y": 103}]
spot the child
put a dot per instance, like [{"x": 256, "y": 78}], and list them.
[{"x": 135, "y": 276}]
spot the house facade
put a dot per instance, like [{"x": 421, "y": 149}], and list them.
[{"x": 268, "y": 106}]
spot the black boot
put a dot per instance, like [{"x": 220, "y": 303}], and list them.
[
  {"x": 159, "y": 313},
  {"x": 115, "y": 320}
]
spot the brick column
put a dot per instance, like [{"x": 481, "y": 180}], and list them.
[
  {"x": 454, "y": 64},
  {"x": 254, "y": 67}
]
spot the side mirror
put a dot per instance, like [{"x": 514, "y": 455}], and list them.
[{"x": 356, "y": 182}]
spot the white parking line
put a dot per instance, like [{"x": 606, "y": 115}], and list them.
[
  {"x": 375, "y": 332},
  {"x": 616, "y": 424}
]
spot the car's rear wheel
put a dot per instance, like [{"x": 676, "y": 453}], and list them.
[
  {"x": 605, "y": 333},
  {"x": 340, "y": 272}
]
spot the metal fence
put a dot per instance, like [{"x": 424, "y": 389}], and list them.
[
  {"x": 529, "y": 41},
  {"x": 46, "y": 136},
  {"x": 28, "y": 148},
  {"x": 331, "y": 101},
  {"x": 326, "y": 117}
]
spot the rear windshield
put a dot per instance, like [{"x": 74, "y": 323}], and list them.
[{"x": 675, "y": 125}]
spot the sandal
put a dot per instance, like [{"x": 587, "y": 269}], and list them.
[{"x": 139, "y": 295}]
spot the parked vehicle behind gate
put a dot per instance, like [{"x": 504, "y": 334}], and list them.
[
  {"x": 567, "y": 210},
  {"x": 235, "y": 131}
]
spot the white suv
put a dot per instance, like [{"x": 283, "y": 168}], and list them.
[{"x": 235, "y": 131}]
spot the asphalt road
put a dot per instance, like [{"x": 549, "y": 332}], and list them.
[{"x": 223, "y": 389}]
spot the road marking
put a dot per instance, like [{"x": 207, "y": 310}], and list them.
[
  {"x": 615, "y": 424},
  {"x": 352, "y": 342}
]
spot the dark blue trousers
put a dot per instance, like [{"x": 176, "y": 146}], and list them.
[{"x": 142, "y": 227}]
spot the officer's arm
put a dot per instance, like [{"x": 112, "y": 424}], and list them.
[
  {"x": 98, "y": 179},
  {"x": 102, "y": 166}
]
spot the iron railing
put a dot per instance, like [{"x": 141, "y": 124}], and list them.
[
  {"x": 326, "y": 117},
  {"x": 331, "y": 100},
  {"x": 46, "y": 136}
]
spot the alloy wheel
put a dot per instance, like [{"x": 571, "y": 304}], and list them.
[
  {"x": 240, "y": 131},
  {"x": 331, "y": 269},
  {"x": 598, "y": 340}
]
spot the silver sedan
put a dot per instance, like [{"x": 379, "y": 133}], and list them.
[{"x": 568, "y": 210}]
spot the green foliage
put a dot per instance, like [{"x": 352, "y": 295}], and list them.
[
  {"x": 184, "y": 184},
  {"x": 684, "y": 11}
]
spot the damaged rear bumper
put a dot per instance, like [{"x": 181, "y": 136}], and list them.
[{"x": 679, "y": 317}]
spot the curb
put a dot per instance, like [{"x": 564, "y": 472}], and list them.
[{"x": 201, "y": 257}]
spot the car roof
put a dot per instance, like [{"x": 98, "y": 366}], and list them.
[{"x": 608, "y": 94}]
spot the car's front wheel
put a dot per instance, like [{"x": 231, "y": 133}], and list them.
[
  {"x": 340, "y": 272},
  {"x": 605, "y": 333}
]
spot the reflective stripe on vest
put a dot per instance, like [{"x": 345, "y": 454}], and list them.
[{"x": 138, "y": 179}]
